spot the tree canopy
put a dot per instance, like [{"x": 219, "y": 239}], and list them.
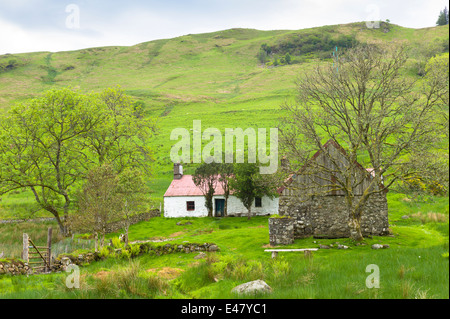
[
  {"x": 50, "y": 143},
  {"x": 381, "y": 118},
  {"x": 206, "y": 178},
  {"x": 443, "y": 17},
  {"x": 247, "y": 184}
]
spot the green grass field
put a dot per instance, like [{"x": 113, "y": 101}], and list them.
[{"x": 413, "y": 267}]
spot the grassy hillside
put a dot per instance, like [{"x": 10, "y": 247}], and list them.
[
  {"x": 218, "y": 78},
  {"x": 215, "y": 77}
]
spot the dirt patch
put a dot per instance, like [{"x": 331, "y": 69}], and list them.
[
  {"x": 194, "y": 264},
  {"x": 166, "y": 272},
  {"x": 178, "y": 233},
  {"x": 102, "y": 274}
]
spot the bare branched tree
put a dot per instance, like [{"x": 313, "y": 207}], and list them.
[{"x": 379, "y": 116}]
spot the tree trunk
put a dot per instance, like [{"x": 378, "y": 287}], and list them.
[
  {"x": 62, "y": 224},
  {"x": 355, "y": 231},
  {"x": 53, "y": 211},
  {"x": 126, "y": 234},
  {"x": 249, "y": 214},
  {"x": 209, "y": 205},
  {"x": 225, "y": 207},
  {"x": 354, "y": 215},
  {"x": 96, "y": 241},
  {"x": 102, "y": 241}
]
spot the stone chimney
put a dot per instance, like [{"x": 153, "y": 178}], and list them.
[{"x": 177, "y": 171}]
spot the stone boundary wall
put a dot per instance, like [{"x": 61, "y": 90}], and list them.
[
  {"x": 14, "y": 268},
  {"x": 281, "y": 231},
  {"x": 112, "y": 227},
  {"x": 32, "y": 220},
  {"x": 62, "y": 261}
]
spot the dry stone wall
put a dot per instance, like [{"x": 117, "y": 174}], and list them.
[
  {"x": 281, "y": 231},
  {"x": 62, "y": 261},
  {"x": 14, "y": 268}
]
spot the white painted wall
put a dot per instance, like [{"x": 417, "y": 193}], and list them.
[{"x": 175, "y": 206}]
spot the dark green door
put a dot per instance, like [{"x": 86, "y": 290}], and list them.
[{"x": 220, "y": 207}]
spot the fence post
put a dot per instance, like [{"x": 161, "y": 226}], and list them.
[
  {"x": 25, "y": 247},
  {"x": 49, "y": 248}
]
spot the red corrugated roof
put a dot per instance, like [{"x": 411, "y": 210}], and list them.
[{"x": 185, "y": 187}]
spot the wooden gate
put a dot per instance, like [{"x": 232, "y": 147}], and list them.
[{"x": 39, "y": 258}]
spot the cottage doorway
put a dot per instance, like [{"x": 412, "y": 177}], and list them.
[{"x": 220, "y": 207}]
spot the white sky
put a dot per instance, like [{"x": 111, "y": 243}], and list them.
[{"x": 55, "y": 25}]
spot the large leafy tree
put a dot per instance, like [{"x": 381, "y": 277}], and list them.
[{"x": 48, "y": 144}]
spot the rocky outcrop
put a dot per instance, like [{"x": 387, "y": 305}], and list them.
[{"x": 252, "y": 287}]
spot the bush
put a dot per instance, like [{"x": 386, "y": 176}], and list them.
[
  {"x": 104, "y": 252},
  {"x": 135, "y": 250},
  {"x": 126, "y": 254},
  {"x": 418, "y": 184},
  {"x": 116, "y": 242},
  {"x": 280, "y": 268}
]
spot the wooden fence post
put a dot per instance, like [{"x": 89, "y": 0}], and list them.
[
  {"x": 25, "y": 246},
  {"x": 49, "y": 248}
]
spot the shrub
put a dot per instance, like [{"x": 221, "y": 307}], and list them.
[
  {"x": 116, "y": 242},
  {"x": 104, "y": 252},
  {"x": 135, "y": 250},
  {"x": 280, "y": 268},
  {"x": 126, "y": 254}
]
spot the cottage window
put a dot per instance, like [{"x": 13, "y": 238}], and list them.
[
  {"x": 258, "y": 202},
  {"x": 190, "y": 205}
]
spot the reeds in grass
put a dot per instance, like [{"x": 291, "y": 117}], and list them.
[{"x": 431, "y": 217}]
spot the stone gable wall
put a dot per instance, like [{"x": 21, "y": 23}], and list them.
[{"x": 327, "y": 217}]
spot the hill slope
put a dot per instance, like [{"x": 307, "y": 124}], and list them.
[{"x": 215, "y": 77}]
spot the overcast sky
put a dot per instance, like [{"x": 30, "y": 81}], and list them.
[{"x": 58, "y": 25}]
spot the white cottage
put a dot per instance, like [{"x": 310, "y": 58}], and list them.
[{"x": 184, "y": 199}]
